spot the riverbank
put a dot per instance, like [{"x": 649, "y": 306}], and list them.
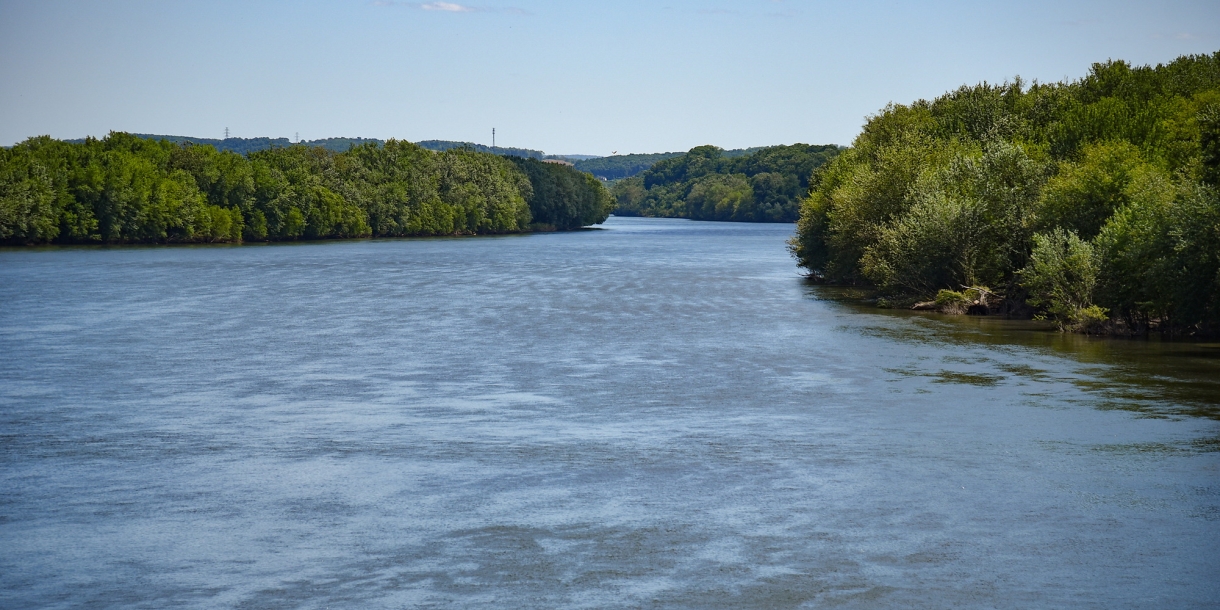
[{"x": 980, "y": 302}]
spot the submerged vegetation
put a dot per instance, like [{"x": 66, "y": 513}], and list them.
[
  {"x": 1095, "y": 203},
  {"x": 708, "y": 183},
  {"x": 125, "y": 188}
]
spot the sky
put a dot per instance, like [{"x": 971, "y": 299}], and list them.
[{"x": 565, "y": 77}]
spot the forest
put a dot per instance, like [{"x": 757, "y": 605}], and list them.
[
  {"x": 617, "y": 167},
  {"x": 709, "y": 183},
  {"x": 566, "y": 198},
  {"x": 1094, "y": 203},
  {"x": 248, "y": 145},
  {"x": 443, "y": 145},
  {"x": 127, "y": 189}
]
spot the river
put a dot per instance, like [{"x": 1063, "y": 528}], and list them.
[{"x": 654, "y": 413}]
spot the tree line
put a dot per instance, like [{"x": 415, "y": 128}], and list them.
[
  {"x": 248, "y": 145},
  {"x": 124, "y": 188},
  {"x": 709, "y": 183},
  {"x": 1092, "y": 202},
  {"x": 617, "y": 167},
  {"x": 443, "y": 145}
]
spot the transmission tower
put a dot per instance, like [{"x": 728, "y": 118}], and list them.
[
  {"x": 226, "y": 133},
  {"x": 493, "y": 138}
]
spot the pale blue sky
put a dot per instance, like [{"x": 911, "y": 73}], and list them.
[{"x": 564, "y": 77}]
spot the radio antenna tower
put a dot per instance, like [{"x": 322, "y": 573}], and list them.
[
  {"x": 298, "y": 138},
  {"x": 493, "y": 138}
]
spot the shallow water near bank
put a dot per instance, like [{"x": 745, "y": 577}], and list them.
[{"x": 656, "y": 413}]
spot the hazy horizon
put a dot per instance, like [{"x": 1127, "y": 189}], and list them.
[{"x": 565, "y": 78}]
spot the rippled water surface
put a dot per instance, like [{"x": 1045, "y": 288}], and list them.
[{"x": 659, "y": 413}]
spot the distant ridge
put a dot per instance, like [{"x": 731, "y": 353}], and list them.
[
  {"x": 249, "y": 145},
  {"x": 607, "y": 168},
  {"x": 617, "y": 167},
  {"x": 622, "y": 166},
  {"x": 443, "y": 145}
]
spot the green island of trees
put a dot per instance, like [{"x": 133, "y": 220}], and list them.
[
  {"x": 126, "y": 189},
  {"x": 1094, "y": 202},
  {"x": 708, "y": 183}
]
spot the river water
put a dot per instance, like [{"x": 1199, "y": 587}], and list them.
[{"x": 656, "y": 413}]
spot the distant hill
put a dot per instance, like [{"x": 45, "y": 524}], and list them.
[
  {"x": 621, "y": 166},
  {"x": 617, "y": 167},
  {"x": 575, "y": 158},
  {"x": 708, "y": 183},
  {"x": 741, "y": 152},
  {"x": 607, "y": 168},
  {"x": 341, "y": 144},
  {"x": 238, "y": 145},
  {"x": 249, "y": 145},
  {"x": 443, "y": 145}
]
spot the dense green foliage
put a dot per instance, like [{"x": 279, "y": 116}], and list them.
[
  {"x": 443, "y": 145},
  {"x": 617, "y": 167},
  {"x": 249, "y": 145},
  {"x": 244, "y": 146},
  {"x": 759, "y": 185},
  {"x": 1061, "y": 278},
  {"x": 1095, "y": 201},
  {"x": 563, "y": 198},
  {"x": 125, "y": 188}
]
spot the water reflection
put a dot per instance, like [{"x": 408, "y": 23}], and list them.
[{"x": 1152, "y": 376}]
